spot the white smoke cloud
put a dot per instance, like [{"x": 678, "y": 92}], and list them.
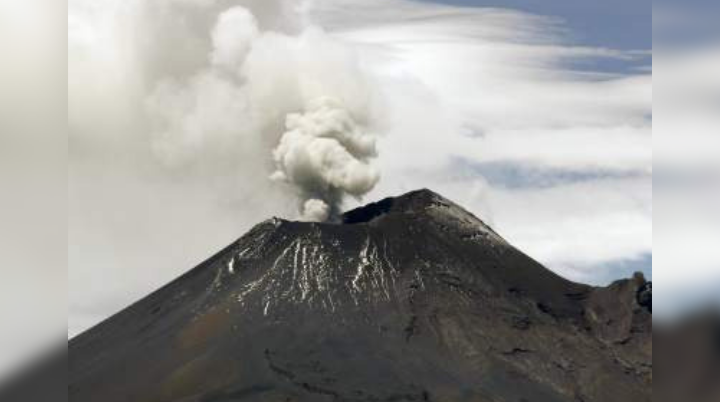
[
  {"x": 298, "y": 101},
  {"x": 326, "y": 155},
  {"x": 315, "y": 210},
  {"x": 232, "y": 37}
]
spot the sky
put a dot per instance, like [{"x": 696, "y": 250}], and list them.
[
  {"x": 537, "y": 117},
  {"x": 615, "y": 24}
]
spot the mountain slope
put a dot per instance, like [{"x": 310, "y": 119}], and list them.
[{"x": 409, "y": 299}]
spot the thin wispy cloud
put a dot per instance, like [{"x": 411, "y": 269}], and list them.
[{"x": 498, "y": 86}]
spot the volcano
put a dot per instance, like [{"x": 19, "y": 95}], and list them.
[{"x": 408, "y": 299}]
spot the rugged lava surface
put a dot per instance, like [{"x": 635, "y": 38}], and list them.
[{"x": 409, "y": 299}]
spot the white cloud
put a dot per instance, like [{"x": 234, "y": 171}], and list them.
[
  {"x": 232, "y": 37},
  {"x": 687, "y": 189}
]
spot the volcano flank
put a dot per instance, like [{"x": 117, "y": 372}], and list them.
[{"x": 408, "y": 299}]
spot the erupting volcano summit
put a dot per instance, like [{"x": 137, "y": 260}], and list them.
[{"x": 408, "y": 299}]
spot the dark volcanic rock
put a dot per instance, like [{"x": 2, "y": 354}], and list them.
[{"x": 409, "y": 299}]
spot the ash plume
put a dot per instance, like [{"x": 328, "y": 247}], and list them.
[
  {"x": 232, "y": 37},
  {"x": 298, "y": 103},
  {"x": 326, "y": 155}
]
